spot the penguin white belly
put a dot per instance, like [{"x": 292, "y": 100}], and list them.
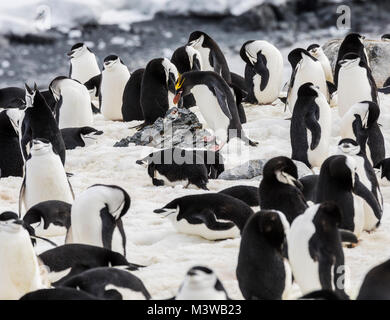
[
  {"x": 55, "y": 276},
  {"x": 126, "y": 293},
  {"x": 288, "y": 281},
  {"x": 75, "y": 110},
  {"x": 327, "y": 68},
  {"x": 205, "y": 53},
  {"x": 159, "y": 176},
  {"x": 201, "y": 230},
  {"x": 112, "y": 87},
  {"x": 201, "y": 294},
  {"x": 272, "y": 90},
  {"x": 84, "y": 67},
  {"x": 317, "y": 156},
  {"x": 19, "y": 267},
  {"x": 304, "y": 268},
  {"x": 211, "y": 111},
  {"x": 353, "y": 87},
  {"x": 359, "y": 216},
  {"x": 46, "y": 180}
]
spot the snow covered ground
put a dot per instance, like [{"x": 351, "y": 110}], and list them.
[{"x": 152, "y": 240}]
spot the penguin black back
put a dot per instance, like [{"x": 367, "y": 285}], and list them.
[
  {"x": 131, "y": 107},
  {"x": 376, "y": 283}
]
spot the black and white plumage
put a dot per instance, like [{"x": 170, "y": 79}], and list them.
[
  {"x": 265, "y": 276},
  {"x": 247, "y": 194},
  {"x": 263, "y": 71},
  {"x": 80, "y": 137},
  {"x": 314, "y": 249},
  {"x": 316, "y": 51},
  {"x": 216, "y": 103},
  {"x": 213, "y": 58},
  {"x": 280, "y": 188},
  {"x": 83, "y": 63},
  {"x": 131, "y": 104},
  {"x": 70, "y": 259},
  {"x": 11, "y": 97},
  {"x": 311, "y": 114},
  {"x": 39, "y": 122},
  {"x": 201, "y": 283},
  {"x": 376, "y": 283},
  {"x": 96, "y": 217},
  {"x": 213, "y": 216},
  {"x": 58, "y": 294}
]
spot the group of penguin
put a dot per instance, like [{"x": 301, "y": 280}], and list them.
[{"x": 296, "y": 237}]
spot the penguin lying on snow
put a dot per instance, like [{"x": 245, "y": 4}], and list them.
[
  {"x": 73, "y": 108},
  {"x": 115, "y": 76},
  {"x": 12, "y": 163},
  {"x": 71, "y": 259},
  {"x": 316, "y": 51},
  {"x": 247, "y": 194},
  {"x": 305, "y": 68},
  {"x": 376, "y": 283},
  {"x": 79, "y": 137},
  {"x": 51, "y": 212},
  {"x": 213, "y": 216},
  {"x": 280, "y": 188},
  {"x": 262, "y": 271},
  {"x": 58, "y": 294},
  {"x": 311, "y": 114},
  {"x": 314, "y": 249},
  {"x": 201, "y": 283},
  {"x": 339, "y": 182},
  {"x": 109, "y": 283},
  {"x": 44, "y": 179},
  {"x": 355, "y": 83},
  {"x": 215, "y": 102},
  {"x": 263, "y": 71},
  {"x": 18, "y": 262},
  {"x": 39, "y": 122},
  {"x": 131, "y": 101},
  {"x": 212, "y": 57},
  {"x": 96, "y": 216},
  {"x": 352, "y": 43},
  {"x": 157, "y": 89},
  {"x": 171, "y": 165},
  {"x": 366, "y": 175}
]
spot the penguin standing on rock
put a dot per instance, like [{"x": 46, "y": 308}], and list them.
[
  {"x": 157, "y": 89},
  {"x": 315, "y": 252},
  {"x": 367, "y": 176},
  {"x": 115, "y": 76},
  {"x": 131, "y": 101},
  {"x": 11, "y": 161},
  {"x": 213, "y": 58},
  {"x": 263, "y": 272},
  {"x": 263, "y": 71},
  {"x": 352, "y": 43},
  {"x": 310, "y": 129},
  {"x": 316, "y": 51},
  {"x": 339, "y": 182},
  {"x": 355, "y": 83},
  {"x": 39, "y": 122},
  {"x": 73, "y": 107},
  {"x": 83, "y": 63},
  {"x": 215, "y": 102},
  {"x": 280, "y": 188},
  {"x": 305, "y": 68},
  {"x": 201, "y": 283},
  {"x": 96, "y": 216},
  {"x": 44, "y": 179}
]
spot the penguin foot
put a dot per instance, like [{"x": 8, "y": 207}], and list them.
[
  {"x": 253, "y": 143},
  {"x": 217, "y": 147}
]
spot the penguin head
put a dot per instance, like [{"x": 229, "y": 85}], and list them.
[
  {"x": 296, "y": 55},
  {"x": 247, "y": 54},
  {"x": 77, "y": 50},
  {"x": 111, "y": 61},
  {"x": 9, "y": 222},
  {"x": 55, "y": 87},
  {"x": 386, "y": 37},
  {"x": 89, "y": 135},
  {"x": 183, "y": 86},
  {"x": 328, "y": 217},
  {"x": 281, "y": 170},
  {"x": 354, "y": 38},
  {"x": 171, "y": 210},
  {"x": 171, "y": 74},
  {"x": 196, "y": 39},
  {"x": 341, "y": 168},
  {"x": 186, "y": 58},
  {"x": 273, "y": 227},
  {"x": 308, "y": 89},
  {"x": 348, "y": 147},
  {"x": 195, "y": 59},
  {"x": 350, "y": 60},
  {"x": 315, "y": 50},
  {"x": 40, "y": 146},
  {"x": 14, "y": 116},
  {"x": 200, "y": 278}
]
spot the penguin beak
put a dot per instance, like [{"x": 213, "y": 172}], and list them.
[{"x": 177, "y": 97}]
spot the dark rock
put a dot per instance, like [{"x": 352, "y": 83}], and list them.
[{"x": 179, "y": 128}]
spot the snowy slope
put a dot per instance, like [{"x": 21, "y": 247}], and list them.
[{"x": 152, "y": 240}]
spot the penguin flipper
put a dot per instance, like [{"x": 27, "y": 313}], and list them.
[
  {"x": 262, "y": 70},
  {"x": 315, "y": 129},
  {"x": 348, "y": 236},
  {"x": 361, "y": 190},
  {"x": 119, "y": 224},
  {"x": 292, "y": 80},
  {"x": 108, "y": 226},
  {"x": 208, "y": 217},
  {"x": 222, "y": 101},
  {"x": 331, "y": 87},
  {"x": 21, "y": 195}
]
